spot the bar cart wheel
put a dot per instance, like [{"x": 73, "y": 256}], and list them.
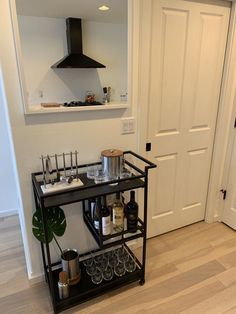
[{"x": 142, "y": 282}]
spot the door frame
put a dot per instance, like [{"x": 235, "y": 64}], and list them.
[{"x": 226, "y": 110}]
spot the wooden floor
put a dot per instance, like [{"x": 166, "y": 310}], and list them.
[{"x": 190, "y": 270}]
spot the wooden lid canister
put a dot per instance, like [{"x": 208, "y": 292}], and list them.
[{"x": 112, "y": 153}]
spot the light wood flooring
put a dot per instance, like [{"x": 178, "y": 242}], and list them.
[{"x": 189, "y": 271}]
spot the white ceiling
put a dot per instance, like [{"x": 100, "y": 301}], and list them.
[{"x": 85, "y": 9}]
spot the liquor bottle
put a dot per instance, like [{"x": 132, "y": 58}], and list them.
[
  {"x": 106, "y": 220},
  {"x": 96, "y": 213},
  {"x": 132, "y": 213},
  {"x": 118, "y": 214}
]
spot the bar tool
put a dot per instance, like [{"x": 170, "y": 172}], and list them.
[
  {"x": 57, "y": 169},
  {"x": 50, "y": 170},
  {"x": 76, "y": 164}
]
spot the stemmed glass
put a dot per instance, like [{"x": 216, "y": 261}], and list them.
[
  {"x": 90, "y": 265},
  {"x": 112, "y": 258},
  {"x": 122, "y": 254},
  {"x": 97, "y": 277},
  {"x": 130, "y": 264},
  {"x": 119, "y": 269},
  {"x": 101, "y": 261},
  {"x": 108, "y": 273}
]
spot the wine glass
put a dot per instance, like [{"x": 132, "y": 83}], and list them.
[
  {"x": 119, "y": 269},
  {"x": 108, "y": 273},
  {"x": 130, "y": 264},
  {"x": 91, "y": 269},
  {"x": 89, "y": 260},
  {"x": 97, "y": 277},
  {"x": 112, "y": 258},
  {"x": 122, "y": 254},
  {"x": 101, "y": 261},
  {"x": 90, "y": 264}
]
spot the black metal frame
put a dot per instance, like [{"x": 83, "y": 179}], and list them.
[{"x": 85, "y": 290}]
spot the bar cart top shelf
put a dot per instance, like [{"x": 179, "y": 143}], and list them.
[{"x": 89, "y": 189}]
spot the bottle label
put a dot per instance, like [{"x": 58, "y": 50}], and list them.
[
  {"x": 96, "y": 224},
  {"x": 106, "y": 225},
  {"x": 118, "y": 216},
  {"x": 132, "y": 217}
]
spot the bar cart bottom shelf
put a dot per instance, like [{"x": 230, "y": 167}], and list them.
[{"x": 86, "y": 289}]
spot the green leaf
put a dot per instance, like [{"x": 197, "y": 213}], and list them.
[{"x": 56, "y": 224}]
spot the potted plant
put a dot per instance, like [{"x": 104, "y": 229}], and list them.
[{"x": 56, "y": 226}]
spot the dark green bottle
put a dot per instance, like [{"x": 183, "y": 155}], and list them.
[{"x": 132, "y": 213}]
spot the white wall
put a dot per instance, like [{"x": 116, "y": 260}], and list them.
[
  {"x": 8, "y": 194},
  {"x": 43, "y": 42},
  {"x": 88, "y": 132}
]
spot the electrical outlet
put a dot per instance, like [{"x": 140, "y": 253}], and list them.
[{"x": 127, "y": 125}]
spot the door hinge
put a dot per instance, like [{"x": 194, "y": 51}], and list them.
[
  {"x": 148, "y": 147},
  {"x": 224, "y": 192},
  {"x": 235, "y": 123}
]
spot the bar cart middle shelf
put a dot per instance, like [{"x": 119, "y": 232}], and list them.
[{"x": 86, "y": 289}]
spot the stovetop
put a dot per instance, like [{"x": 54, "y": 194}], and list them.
[{"x": 81, "y": 103}]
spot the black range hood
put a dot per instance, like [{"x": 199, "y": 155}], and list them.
[{"x": 75, "y": 57}]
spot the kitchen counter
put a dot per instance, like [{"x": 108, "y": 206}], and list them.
[{"x": 38, "y": 109}]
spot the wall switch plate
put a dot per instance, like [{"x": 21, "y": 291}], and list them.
[{"x": 127, "y": 125}]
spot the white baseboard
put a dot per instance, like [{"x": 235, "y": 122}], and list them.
[
  {"x": 8, "y": 212},
  {"x": 216, "y": 218},
  {"x": 35, "y": 278}
]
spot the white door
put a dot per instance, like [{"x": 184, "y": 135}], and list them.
[
  {"x": 229, "y": 212},
  {"x": 187, "y": 47}
]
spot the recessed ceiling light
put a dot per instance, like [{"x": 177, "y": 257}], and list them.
[{"x": 104, "y": 8}]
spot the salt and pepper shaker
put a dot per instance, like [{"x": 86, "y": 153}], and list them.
[{"x": 63, "y": 285}]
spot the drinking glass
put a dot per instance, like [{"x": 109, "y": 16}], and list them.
[
  {"x": 89, "y": 259},
  {"x": 122, "y": 254},
  {"x": 119, "y": 269},
  {"x": 91, "y": 171},
  {"x": 112, "y": 258},
  {"x": 100, "y": 176},
  {"x": 101, "y": 261},
  {"x": 125, "y": 173},
  {"x": 97, "y": 277},
  {"x": 91, "y": 269},
  {"x": 130, "y": 264},
  {"x": 108, "y": 273}
]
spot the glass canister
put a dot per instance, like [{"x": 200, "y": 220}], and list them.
[{"x": 90, "y": 97}]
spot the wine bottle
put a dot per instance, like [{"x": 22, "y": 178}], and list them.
[
  {"x": 106, "y": 221},
  {"x": 92, "y": 204},
  {"x": 118, "y": 214},
  {"x": 96, "y": 213},
  {"x": 132, "y": 213}
]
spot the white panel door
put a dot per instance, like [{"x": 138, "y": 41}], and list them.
[
  {"x": 187, "y": 48},
  {"x": 229, "y": 213}
]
